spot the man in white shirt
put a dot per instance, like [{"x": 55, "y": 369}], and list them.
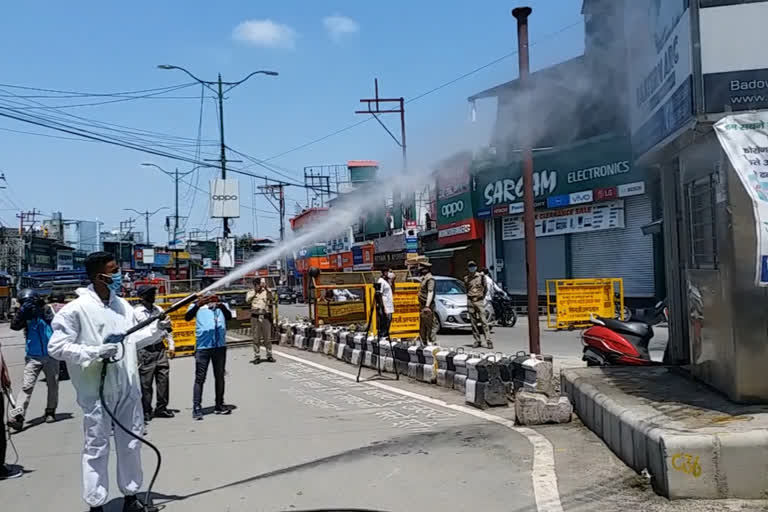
[{"x": 385, "y": 302}]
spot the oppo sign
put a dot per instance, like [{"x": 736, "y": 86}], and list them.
[{"x": 451, "y": 209}]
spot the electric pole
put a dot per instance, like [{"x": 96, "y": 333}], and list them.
[
  {"x": 219, "y": 92},
  {"x": 27, "y": 221},
  {"x": 521, "y": 14},
  {"x": 277, "y": 192},
  {"x": 374, "y": 109},
  {"x": 147, "y": 214}
]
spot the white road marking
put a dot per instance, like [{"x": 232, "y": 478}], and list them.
[{"x": 543, "y": 473}]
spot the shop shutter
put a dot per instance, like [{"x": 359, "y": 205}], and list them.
[
  {"x": 625, "y": 253},
  {"x": 550, "y": 262}
]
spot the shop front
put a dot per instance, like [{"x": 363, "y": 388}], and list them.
[
  {"x": 591, "y": 204},
  {"x": 459, "y": 234}
]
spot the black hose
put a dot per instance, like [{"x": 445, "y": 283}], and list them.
[{"x": 148, "y": 495}]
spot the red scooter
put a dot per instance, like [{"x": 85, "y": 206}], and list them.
[{"x": 611, "y": 342}]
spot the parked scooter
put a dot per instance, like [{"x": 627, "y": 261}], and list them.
[{"x": 612, "y": 342}]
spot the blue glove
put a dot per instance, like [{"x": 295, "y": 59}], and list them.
[{"x": 114, "y": 338}]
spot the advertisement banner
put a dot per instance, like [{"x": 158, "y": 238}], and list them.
[
  {"x": 148, "y": 256},
  {"x": 744, "y": 138},
  {"x": 734, "y": 68},
  {"x": 659, "y": 74},
  {"x": 226, "y": 252},
  {"x": 225, "y": 198},
  {"x": 571, "y": 174},
  {"x": 470, "y": 229},
  {"x": 577, "y": 219}
]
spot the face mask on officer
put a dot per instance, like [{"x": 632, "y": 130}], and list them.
[
  {"x": 391, "y": 276},
  {"x": 472, "y": 269}
]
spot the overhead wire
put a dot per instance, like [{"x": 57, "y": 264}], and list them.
[
  {"x": 155, "y": 95},
  {"x": 423, "y": 94}
]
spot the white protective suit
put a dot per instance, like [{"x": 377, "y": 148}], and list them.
[{"x": 79, "y": 328}]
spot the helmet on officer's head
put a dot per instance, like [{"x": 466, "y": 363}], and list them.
[{"x": 25, "y": 295}]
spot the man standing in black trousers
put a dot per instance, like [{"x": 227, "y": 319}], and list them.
[
  {"x": 153, "y": 359},
  {"x": 6, "y": 472},
  {"x": 211, "y": 318}
]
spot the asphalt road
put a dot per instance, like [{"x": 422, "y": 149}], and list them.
[{"x": 305, "y": 436}]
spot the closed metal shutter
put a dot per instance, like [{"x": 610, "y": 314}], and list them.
[
  {"x": 625, "y": 253},
  {"x": 550, "y": 262}
]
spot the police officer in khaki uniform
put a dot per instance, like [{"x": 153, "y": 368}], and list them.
[
  {"x": 477, "y": 288},
  {"x": 261, "y": 320},
  {"x": 427, "y": 324}
]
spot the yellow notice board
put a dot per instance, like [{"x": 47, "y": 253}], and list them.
[
  {"x": 183, "y": 331},
  {"x": 405, "y": 320},
  {"x": 340, "y": 313},
  {"x": 577, "y": 299}
]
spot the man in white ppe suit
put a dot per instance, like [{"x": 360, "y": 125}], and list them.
[{"x": 79, "y": 332}]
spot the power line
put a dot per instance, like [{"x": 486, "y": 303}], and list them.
[
  {"x": 156, "y": 95},
  {"x": 93, "y": 94},
  {"x": 423, "y": 94}
]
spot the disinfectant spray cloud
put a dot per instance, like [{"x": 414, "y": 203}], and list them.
[{"x": 339, "y": 218}]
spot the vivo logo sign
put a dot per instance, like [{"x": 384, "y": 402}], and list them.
[
  {"x": 581, "y": 197},
  {"x": 451, "y": 209}
]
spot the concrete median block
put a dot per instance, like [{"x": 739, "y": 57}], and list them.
[
  {"x": 356, "y": 355},
  {"x": 460, "y": 383},
  {"x": 429, "y": 374},
  {"x": 298, "y": 340},
  {"x": 402, "y": 366},
  {"x": 284, "y": 338},
  {"x": 339, "y": 352},
  {"x": 346, "y": 355},
  {"x": 691, "y": 466},
  {"x": 460, "y": 362},
  {"x": 445, "y": 378},
  {"x": 416, "y": 371},
  {"x": 744, "y": 463},
  {"x": 317, "y": 344},
  {"x": 538, "y": 409}
]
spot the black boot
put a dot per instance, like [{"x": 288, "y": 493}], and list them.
[{"x": 132, "y": 504}]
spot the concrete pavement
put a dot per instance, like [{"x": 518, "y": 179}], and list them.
[{"x": 304, "y": 436}]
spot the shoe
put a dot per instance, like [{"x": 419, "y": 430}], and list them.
[
  {"x": 256, "y": 360},
  {"x": 164, "y": 413},
  {"x": 477, "y": 344},
  {"x": 97, "y": 509},
  {"x": 271, "y": 359},
  {"x": 132, "y": 504},
  {"x": 9, "y": 472},
  {"x": 50, "y": 415},
  {"x": 490, "y": 345},
  {"x": 147, "y": 417},
  {"x": 17, "y": 423},
  {"x": 197, "y": 413},
  {"x": 222, "y": 409}
]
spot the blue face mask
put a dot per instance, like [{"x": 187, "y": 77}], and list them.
[
  {"x": 117, "y": 282},
  {"x": 472, "y": 269}
]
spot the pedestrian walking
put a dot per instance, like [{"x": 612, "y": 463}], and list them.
[
  {"x": 477, "y": 289},
  {"x": 427, "y": 323},
  {"x": 211, "y": 318},
  {"x": 153, "y": 359},
  {"x": 6, "y": 472},
  {"x": 34, "y": 317},
  {"x": 87, "y": 331},
  {"x": 260, "y": 300},
  {"x": 385, "y": 303}
]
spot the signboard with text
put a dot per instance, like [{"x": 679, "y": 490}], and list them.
[
  {"x": 576, "y": 219},
  {"x": 659, "y": 71},
  {"x": 577, "y": 299}
]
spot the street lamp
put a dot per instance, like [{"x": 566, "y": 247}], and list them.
[{"x": 219, "y": 92}]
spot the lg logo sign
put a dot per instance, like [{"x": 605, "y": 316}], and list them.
[
  {"x": 451, "y": 209},
  {"x": 224, "y": 198}
]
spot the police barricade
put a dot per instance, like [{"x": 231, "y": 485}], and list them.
[
  {"x": 576, "y": 299},
  {"x": 184, "y": 331}
]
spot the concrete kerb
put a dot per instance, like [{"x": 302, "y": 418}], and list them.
[{"x": 682, "y": 465}]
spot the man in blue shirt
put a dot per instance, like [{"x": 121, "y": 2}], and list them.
[
  {"x": 34, "y": 318},
  {"x": 211, "y": 318}
]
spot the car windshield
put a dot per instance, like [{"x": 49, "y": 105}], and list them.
[{"x": 449, "y": 287}]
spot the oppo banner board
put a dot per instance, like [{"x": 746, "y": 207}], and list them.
[
  {"x": 225, "y": 198},
  {"x": 659, "y": 74},
  {"x": 733, "y": 62},
  {"x": 744, "y": 138}
]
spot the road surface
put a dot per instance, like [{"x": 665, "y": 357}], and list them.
[{"x": 305, "y": 436}]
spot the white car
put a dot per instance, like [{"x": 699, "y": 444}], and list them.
[{"x": 451, "y": 303}]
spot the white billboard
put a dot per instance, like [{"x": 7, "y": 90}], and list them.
[
  {"x": 225, "y": 198},
  {"x": 148, "y": 256},
  {"x": 733, "y": 63},
  {"x": 226, "y": 252},
  {"x": 659, "y": 74}
]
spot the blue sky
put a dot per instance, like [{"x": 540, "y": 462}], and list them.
[{"x": 327, "y": 54}]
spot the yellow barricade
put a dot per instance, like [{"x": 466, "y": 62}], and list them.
[{"x": 577, "y": 299}]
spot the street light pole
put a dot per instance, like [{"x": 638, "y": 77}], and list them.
[
  {"x": 521, "y": 14},
  {"x": 147, "y": 214},
  {"x": 219, "y": 91}
]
